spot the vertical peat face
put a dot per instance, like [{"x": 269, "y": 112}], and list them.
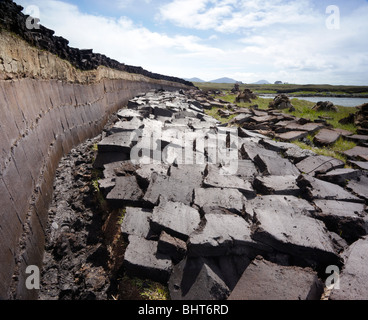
[
  {"x": 52, "y": 98},
  {"x": 43, "y": 120}
]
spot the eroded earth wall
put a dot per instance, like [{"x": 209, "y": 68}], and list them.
[{"x": 47, "y": 106}]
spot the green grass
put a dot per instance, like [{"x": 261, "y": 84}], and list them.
[
  {"x": 99, "y": 197},
  {"x": 303, "y": 109},
  {"x": 342, "y": 145},
  {"x": 139, "y": 289},
  {"x": 334, "y": 150},
  {"x": 261, "y": 102},
  {"x": 122, "y": 213},
  {"x": 265, "y": 91},
  {"x": 214, "y": 113},
  {"x": 155, "y": 291}
]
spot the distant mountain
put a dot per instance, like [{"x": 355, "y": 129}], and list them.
[
  {"x": 224, "y": 80},
  {"x": 261, "y": 82},
  {"x": 194, "y": 80}
]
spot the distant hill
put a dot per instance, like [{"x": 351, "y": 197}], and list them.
[
  {"x": 261, "y": 82},
  {"x": 194, "y": 80},
  {"x": 224, "y": 80}
]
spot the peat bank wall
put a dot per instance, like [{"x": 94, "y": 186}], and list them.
[{"x": 47, "y": 106}]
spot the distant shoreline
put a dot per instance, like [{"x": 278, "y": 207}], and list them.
[
  {"x": 323, "y": 95},
  {"x": 340, "y": 100},
  {"x": 294, "y": 91}
]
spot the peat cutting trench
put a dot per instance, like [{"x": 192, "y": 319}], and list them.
[{"x": 214, "y": 212}]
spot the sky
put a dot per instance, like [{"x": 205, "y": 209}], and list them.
[{"x": 303, "y": 42}]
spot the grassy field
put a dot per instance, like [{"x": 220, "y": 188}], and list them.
[
  {"x": 293, "y": 89},
  {"x": 303, "y": 109},
  {"x": 331, "y": 151}
]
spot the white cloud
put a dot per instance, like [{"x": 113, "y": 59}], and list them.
[
  {"x": 198, "y": 14},
  {"x": 121, "y": 38},
  {"x": 124, "y": 3},
  {"x": 245, "y": 40},
  {"x": 318, "y": 53},
  {"x": 232, "y": 15}
]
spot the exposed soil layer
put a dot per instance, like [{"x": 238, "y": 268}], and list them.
[
  {"x": 75, "y": 260},
  {"x": 84, "y": 247}
]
